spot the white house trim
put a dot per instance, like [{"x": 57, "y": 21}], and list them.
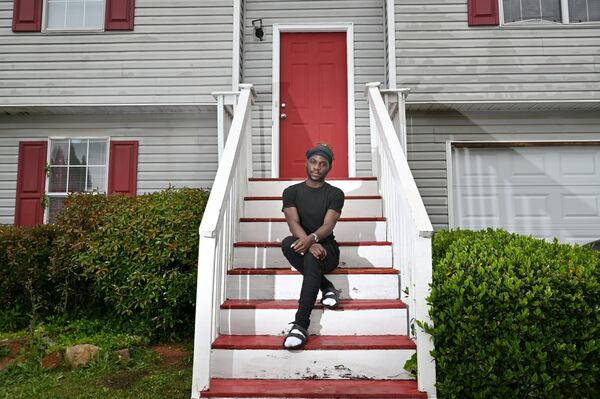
[
  {"x": 235, "y": 57},
  {"x": 451, "y": 143},
  {"x": 391, "y": 43},
  {"x": 347, "y": 27}
]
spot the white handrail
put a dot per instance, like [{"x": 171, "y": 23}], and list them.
[
  {"x": 409, "y": 228},
  {"x": 218, "y": 231}
]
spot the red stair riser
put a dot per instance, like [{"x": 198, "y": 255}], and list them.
[
  {"x": 316, "y": 342},
  {"x": 338, "y": 270},
  {"x": 341, "y": 244},
  {"x": 302, "y": 178},
  {"x": 358, "y": 219},
  {"x": 348, "y": 197},
  {"x": 345, "y": 304}
]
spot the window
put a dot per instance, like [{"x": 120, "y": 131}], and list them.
[
  {"x": 74, "y": 14},
  {"x": 551, "y": 11},
  {"x": 76, "y": 165},
  {"x": 584, "y": 10},
  {"x": 532, "y": 10}
]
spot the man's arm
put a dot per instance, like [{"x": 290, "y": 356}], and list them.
[
  {"x": 293, "y": 220},
  {"x": 331, "y": 218}
]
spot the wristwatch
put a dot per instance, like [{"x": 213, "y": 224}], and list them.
[{"x": 316, "y": 237}]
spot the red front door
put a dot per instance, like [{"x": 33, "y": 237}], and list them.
[{"x": 314, "y": 99}]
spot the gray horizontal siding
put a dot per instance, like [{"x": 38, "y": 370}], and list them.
[
  {"x": 179, "y": 52},
  {"x": 428, "y": 133},
  {"x": 369, "y": 63},
  {"x": 174, "y": 149},
  {"x": 442, "y": 59}
]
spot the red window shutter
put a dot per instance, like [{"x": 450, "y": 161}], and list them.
[
  {"x": 483, "y": 12},
  {"x": 27, "y": 15},
  {"x": 31, "y": 183},
  {"x": 119, "y": 14},
  {"x": 122, "y": 168}
]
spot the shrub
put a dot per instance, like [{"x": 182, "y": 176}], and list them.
[
  {"x": 515, "y": 317},
  {"x": 143, "y": 254},
  {"x": 80, "y": 217},
  {"x": 26, "y": 282}
]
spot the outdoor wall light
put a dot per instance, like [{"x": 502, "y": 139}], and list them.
[{"x": 258, "y": 28}]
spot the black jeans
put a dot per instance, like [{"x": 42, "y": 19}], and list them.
[{"x": 313, "y": 272}]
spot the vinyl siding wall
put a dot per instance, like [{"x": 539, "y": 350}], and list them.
[
  {"x": 369, "y": 63},
  {"x": 174, "y": 149},
  {"x": 178, "y": 52},
  {"x": 442, "y": 59},
  {"x": 429, "y": 131}
]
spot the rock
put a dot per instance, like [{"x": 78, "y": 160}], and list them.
[
  {"x": 123, "y": 354},
  {"x": 6, "y": 361},
  {"x": 81, "y": 354},
  {"x": 49, "y": 341},
  {"x": 52, "y": 361}
]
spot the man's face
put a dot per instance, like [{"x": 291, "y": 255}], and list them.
[{"x": 317, "y": 168}]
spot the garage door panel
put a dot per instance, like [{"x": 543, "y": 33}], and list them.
[
  {"x": 527, "y": 166},
  {"x": 543, "y": 191}
]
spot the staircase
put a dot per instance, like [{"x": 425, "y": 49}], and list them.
[
  {"x": 355, "y": 351},
  {"x": 247, "y": 293}
]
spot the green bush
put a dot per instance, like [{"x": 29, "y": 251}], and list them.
[
  {"x": 26, "y": 280},
  {"x": 143, "y": 255},
  {"x": 515, "y": 317}
]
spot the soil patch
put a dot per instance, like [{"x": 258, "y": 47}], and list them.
[
  {"x": 124, "y": 379},
  {"x": 171, "y": 355}
]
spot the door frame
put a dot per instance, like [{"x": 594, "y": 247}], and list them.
[{"x": 348, "y": 28}]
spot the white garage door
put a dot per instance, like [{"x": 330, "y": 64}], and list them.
[{"x": 551, "y": 191}]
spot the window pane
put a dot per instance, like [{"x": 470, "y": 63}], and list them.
[
  {"x": 77, "y": 179},
  {"x": 532, "y": 10},
  {"x": 594, "y": 10},
  {"x": 56, "y": 14},
  {"x": 55, "y": 205},
  {"x": 78, "y": 152},
  {"x": 58, "y": 152},
  {"x": 74, "y": 14},
  {"x": 94, "y": 14},
  {"x": 58, "y": 179},
  {"x": 96, "y": 178},
  {"x": 551, "y": 10},
  {"x": 512, "y": 10},
  {"x": 97, "y": 152}
]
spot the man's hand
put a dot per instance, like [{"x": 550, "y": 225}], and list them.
[
  {"x": 301, "y": 245},
  {"x": 318, "y": 251}
]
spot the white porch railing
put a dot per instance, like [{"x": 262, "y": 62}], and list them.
[
  {"x": 218, "y": 232},
  {"x": 409, "y": 228},
  {"x": 226, "y": 101}
]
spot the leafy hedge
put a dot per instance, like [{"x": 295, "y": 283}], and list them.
[
  {"x": 143, "y": 255},
  {"x": 515, "y": 317},
  {"x": 133, "y": 258},
  {"x": 26, "y": 279}
]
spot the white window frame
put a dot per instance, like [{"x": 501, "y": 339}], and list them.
[
  {"x": 49, "y": 154},
  {"x": 564, "y": 11},
  {"x": 45, "y": 28},
  {"x": 347, "y": 27}
]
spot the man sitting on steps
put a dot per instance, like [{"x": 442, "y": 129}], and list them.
[{"x": 312, "y": 208}]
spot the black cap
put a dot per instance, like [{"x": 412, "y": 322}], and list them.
[{"x": 323, "y": 150}]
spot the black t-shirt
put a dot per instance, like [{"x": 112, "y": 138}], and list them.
[{"x": 312, "y": 204}]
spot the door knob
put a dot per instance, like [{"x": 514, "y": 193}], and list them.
[
  {"x": 282, "y": 105},
  {"x": 283, "y": 116}
]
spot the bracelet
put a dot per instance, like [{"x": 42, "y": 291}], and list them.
[{"x": 316, "y": 237}]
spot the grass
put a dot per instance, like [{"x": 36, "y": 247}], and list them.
[{"x": 145, "y": 375}]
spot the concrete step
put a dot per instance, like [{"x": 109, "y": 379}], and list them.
[
  {"x": 327, "y": 357},
  {"x": 346, "y": 229},
  {"x": 352, "y": 254},
  {"x": 352, "y": 317},
  {"x": 313, "y": 388},
  {"x": 351, "y": 186},
  {"x": 354, "y": 206},
  {"x": 271, "y": 285}
]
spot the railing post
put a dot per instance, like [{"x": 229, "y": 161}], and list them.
[
  {"x": 220, "y": 126},
  {"x": 204, "y": 321},
  {"x": 425, "y": 362},
  {"x": 373, "y": 130}
]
